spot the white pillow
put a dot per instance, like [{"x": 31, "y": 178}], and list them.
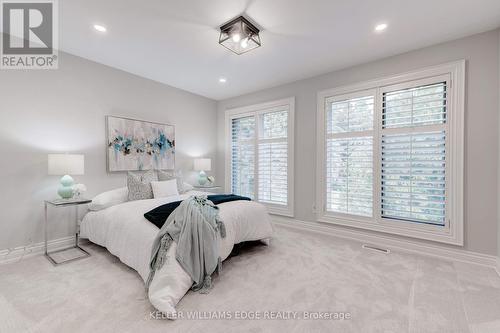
[
  {"x": 165, "y": 188},
  {"x": 109, "y": 198},
  {"x": 171, "y": 174}
]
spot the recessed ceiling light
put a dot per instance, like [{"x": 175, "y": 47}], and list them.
[
  {"x": 222, "y": 80},
  {"x": 100, "y": 28},
  {"x": 380, "y": 27}
]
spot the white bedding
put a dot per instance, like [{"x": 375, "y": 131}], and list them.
[{"x": 124, "y": 231}]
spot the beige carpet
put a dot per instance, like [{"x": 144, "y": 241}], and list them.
[{"x": 297, "y": 275}]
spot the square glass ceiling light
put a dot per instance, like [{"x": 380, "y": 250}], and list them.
[{"x": 239, "y": 35}]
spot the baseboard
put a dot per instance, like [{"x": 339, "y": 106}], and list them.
[
  {"x": 498, "y": 265},
  {"x": 18, "y": 253},
  {"x": 392, "y": 243}
]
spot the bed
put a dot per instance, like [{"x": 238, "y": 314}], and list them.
[{"x": 124, "y": 231}]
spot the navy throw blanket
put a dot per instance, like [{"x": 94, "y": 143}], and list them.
[{"x": 159, "y": 215}]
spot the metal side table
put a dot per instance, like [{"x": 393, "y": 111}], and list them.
[{"x": 51, "y": 256}]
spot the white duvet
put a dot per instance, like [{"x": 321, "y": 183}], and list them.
[{"x": 124, "y": 231}]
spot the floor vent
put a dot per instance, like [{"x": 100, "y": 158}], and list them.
[{"x": 374, "y": 248}]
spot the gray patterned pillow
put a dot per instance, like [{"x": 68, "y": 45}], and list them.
[
  {"x": 171, "y": 174},
  {"x": 139, "y": 185}
]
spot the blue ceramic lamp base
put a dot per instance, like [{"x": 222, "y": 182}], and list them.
[
  {"x": 65, "y": 191},
  {"x": 202, "y": 179}
]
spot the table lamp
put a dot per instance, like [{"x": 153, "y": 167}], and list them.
[
  {"x": 64, "y": 165},
  {"x": 202, "y": 165}
]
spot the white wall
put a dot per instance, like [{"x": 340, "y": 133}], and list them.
[
  {"x": 498, "y": 90},
  {"x": 482, "y": 106},
  {"x": 64, "y": 111}
]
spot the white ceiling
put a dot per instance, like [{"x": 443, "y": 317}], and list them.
[{"x": 176, "y": 42}]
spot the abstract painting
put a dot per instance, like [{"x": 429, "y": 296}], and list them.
[{"x": 139, "y": 145}]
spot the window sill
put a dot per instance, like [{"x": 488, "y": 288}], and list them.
[
  {"x": 425, "y": 232},
  {"x": 279, "y": 210}
]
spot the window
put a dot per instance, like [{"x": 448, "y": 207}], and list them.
[
  {"x": 349, "y": 155},
  {"x": 414, "y": 153},
  {"x": 390, "y": 154},
  {"x": 243, "y": 156},
  {"x": 273, "y": 157},
  {"x": 259, "y": 154}
]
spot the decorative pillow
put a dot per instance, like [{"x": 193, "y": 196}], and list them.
[
  {"x": 170, "y": 174},
  {"x": 109, "y": 198},
  {"x": 165, "y": 188},
  {"x": 139, "y": 185}
]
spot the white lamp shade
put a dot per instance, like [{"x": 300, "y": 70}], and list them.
[
  {"x": 202, "y": 164},
  {"x": 66, "y": 164}
]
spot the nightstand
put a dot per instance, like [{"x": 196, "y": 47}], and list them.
[
  {"x": 74, "y": 252},
  {"x": 208, "y": 188}
]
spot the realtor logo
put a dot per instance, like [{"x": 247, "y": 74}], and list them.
[{"x": 29, "y": 38}]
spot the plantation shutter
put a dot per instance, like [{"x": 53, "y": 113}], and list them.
[
  {"x": 261, "y": 154},
  {"x": 273, "y": 156},
  {"x": 243, "y": 156},
  {"x": 349, "y": 155},
  {"x": 413, "y": 147}
]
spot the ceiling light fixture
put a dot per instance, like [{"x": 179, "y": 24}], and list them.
[
  {"x": 222, "y": 80},
  {"x": 236, "y": 38},
  {"x": 239, "y": 35},
  {"x": 100, "y": 28},
  {"x": 380, "y": 27}
]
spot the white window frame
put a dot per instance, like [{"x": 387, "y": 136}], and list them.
[
  {"x": 453, "y": 231},
  {"x": 256, "y": 110}
]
